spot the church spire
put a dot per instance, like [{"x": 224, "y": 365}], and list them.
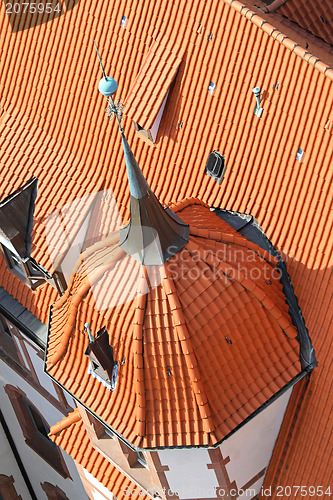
[{"x": 153, "y": 234}]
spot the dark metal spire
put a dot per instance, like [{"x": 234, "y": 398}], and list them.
[{"x": 154, "y": 234}]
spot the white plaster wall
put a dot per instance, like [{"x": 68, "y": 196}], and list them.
[
  {"x": 251, "y": 447},
  {"x": 99, "y": 488},
  {"x": 37, "y": 469},
  {"x": 188, "y": 474},
  {"x": 252, "y": 491},
  {"x": 9, "y": 467}
]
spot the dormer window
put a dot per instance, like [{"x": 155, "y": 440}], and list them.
[
  {"x": 102, "y": 365},
  {"x": 151, "y": 133},
  {"x": 148, "y": 95},
  {"x": 13, "y": 261},
  {"x": 16, "y": 221},
  {"x": 26, "y": 270}
]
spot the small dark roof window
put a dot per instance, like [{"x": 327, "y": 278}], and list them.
[{"x": 215, "y": 166}]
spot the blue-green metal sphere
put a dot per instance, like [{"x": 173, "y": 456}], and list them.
[{"x": 107, "y": 86}]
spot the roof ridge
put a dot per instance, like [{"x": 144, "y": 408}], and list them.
[
  {"x": 178, "y": 206},
  {"x": 280, "y": 37},
  {"x": 138, "y": 322},
  {"x": 71, "y": 418},
  {"x": 183, "y": 335}
]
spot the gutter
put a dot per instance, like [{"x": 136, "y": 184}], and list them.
[
  {"x": 27, "y": 332},
  {"x": 17, "y": 456}
]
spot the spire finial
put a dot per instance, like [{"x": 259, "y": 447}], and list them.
[{"x": 108, "y": 87}]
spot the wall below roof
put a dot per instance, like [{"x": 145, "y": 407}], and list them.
[
  {"x": 251, "y": 447},
  {"x": 9, "y": 467},
  {"x": 237, "y": 467}
]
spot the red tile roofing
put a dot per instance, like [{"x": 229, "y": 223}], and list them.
[
  {"x": 182, "y": 383},
  {"x": 315, "y": 16},
  {"x": 71, "y": 436},
  {"x": 52, "y": 115},
  {"x": 153, "y": 81}
]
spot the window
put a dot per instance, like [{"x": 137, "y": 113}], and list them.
[
  {"x": 39, "y": 423},
  {"x": 35, "y": 430},
  {"x": 151, "y": 133},
  {"x": 26, "y": 270},
  {"x": 135, "y": 459},
  {"x": 7, "y": 342},
  {"x": 4, "y": 328},
  {"x": 141, "y": 458},
  {"x": 107, "y": 433},
  {"x": 103, "y": 366},
  {"x": 14, "y": 261}
]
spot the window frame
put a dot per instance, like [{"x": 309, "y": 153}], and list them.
[
  {"x": 37, "y": 441},
  {"x": 7, "y": 341},
  {"x": 26, "y": 270}
]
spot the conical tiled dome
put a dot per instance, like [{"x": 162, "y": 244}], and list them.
[{"x": 206, "y": 337}]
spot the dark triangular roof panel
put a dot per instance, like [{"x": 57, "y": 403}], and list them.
[{"x": 16, "y": 217}]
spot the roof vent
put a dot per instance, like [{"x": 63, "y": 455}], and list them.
[
  {"x": 215, "y": 167},
  {"x": 211, "y": 88},
  {"x": 300, "y": 154},
  {"x": 257, "y": 110},
  {"x": 124, "y": 21}
]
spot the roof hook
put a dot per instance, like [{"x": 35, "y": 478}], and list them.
[{"x": 87, "y": 329}]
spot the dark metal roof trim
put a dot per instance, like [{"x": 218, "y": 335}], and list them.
[
  {"x": 16, "y": 217},
  {"x": 23, "y": 319},
  {"x": 248, "y": 227}
]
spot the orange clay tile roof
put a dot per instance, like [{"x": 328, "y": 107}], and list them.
[
  {"x": 71, "y": 436},
  {"x": 52, "y": 115},
  {"x": 315, "y": 16},
  {"x": 153, "y": 81},
  {"x": 183, "y": 383}
]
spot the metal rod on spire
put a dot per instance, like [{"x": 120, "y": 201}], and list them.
[
  {"x": 154, "y": 234},
  {"x": 108, "y": 87},
  {"x": 100, "y": 61}
]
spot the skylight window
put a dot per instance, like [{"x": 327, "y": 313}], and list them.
[
  {"x": 211, "y": 88},
  {"x": 215, "y": 166}
]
